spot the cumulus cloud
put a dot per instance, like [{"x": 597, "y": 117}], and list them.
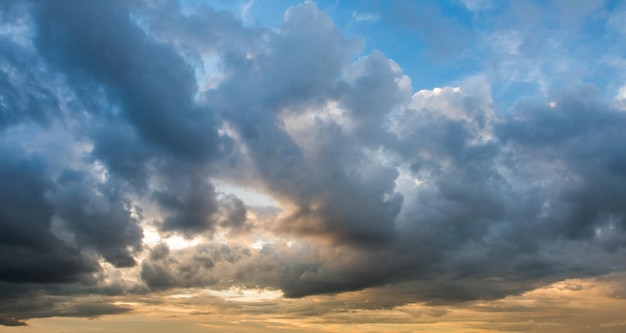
[
  {"x": 433, "y": 196},
  {"x": 31, "y": 253}
]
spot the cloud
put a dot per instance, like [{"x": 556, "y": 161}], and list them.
[
  {"x": 111, "y": 135},
  {"x": 367, "y": 17},
  {"x": 144, "y": 78},
  {"x": 98, "y": 216},
  {"x": 323, "y": 202},
  {"x": 31, "y": 253},
  {"x": 38, "y": 306}
]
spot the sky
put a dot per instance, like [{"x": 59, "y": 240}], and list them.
[{"x": 312, "y": 166}]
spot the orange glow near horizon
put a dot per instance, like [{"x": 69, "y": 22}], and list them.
[{"x": 575, "y": 305}]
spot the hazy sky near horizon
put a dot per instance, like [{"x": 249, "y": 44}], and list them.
[{"x": 328, "y": 166}]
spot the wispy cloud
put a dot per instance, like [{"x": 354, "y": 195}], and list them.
[{"x": 368, "y": 17}]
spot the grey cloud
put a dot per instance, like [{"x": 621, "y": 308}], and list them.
[
  {"x": 577, "y": 114},
  {"x": 492, "y": 212},
  {"x": 482, "y": 223},
  {"x": 153, "y": 85},
  {"x": 34, "y": 261},
  {"x": 110, "y": 86},
  {"x": 148, "y": 119},
  {"x": 233, "y": 213},
  {"x": 581, "y": 133},
  {"x": 494, "y": 216},
  {"x": 98, "y": 216},
  {"x": 202, "y": 32},
  {"x": 325, "y": 189},
  {"x": 374, "y": 92},
  {"x": 14, "y": 310},
  {"x": 157, "y": 276},
  {"x": 119, "y": 147},
  {"x": 124, "y": 93},
  {"x": 202, "y": 265},
  {"x": 191, "y": 204},
  {"x": 31, "y": 253},
  {"x": 11, "y": 322},
  {"x": 23, "y": 97},
  {"x": 160, "y": 251}
]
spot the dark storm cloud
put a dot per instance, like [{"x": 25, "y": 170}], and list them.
[
  {"x": 38, "y": 257},
  {"x": 18, "y": 307},
  {"x": 30, "y": 252},
  {"x": 192, "y": 206},
  {"x": 120, "y": 148},
  {"x": 96, "y": 41},
  {"x": 190, "y": 202},
  {"x": 95, "y": 70},
  {"x": 87, "y": 66},
  {"x": 33, "y": 258},
  {"x": 152, "y": 125},
  {"x": 99, "y": 218}
]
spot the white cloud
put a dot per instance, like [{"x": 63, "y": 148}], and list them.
[{"x": 365, "y": 17}]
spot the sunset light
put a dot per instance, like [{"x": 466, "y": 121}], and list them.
[{"x": 336, "y": 166}]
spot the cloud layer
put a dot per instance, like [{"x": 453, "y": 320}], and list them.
[{"x": 118, "y": 117}]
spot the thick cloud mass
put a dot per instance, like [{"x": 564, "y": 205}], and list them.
[
  {"x": 116, "y": 117},
  {"x": 30, "y": 252},
  {"x": 133, "y": 69}
]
